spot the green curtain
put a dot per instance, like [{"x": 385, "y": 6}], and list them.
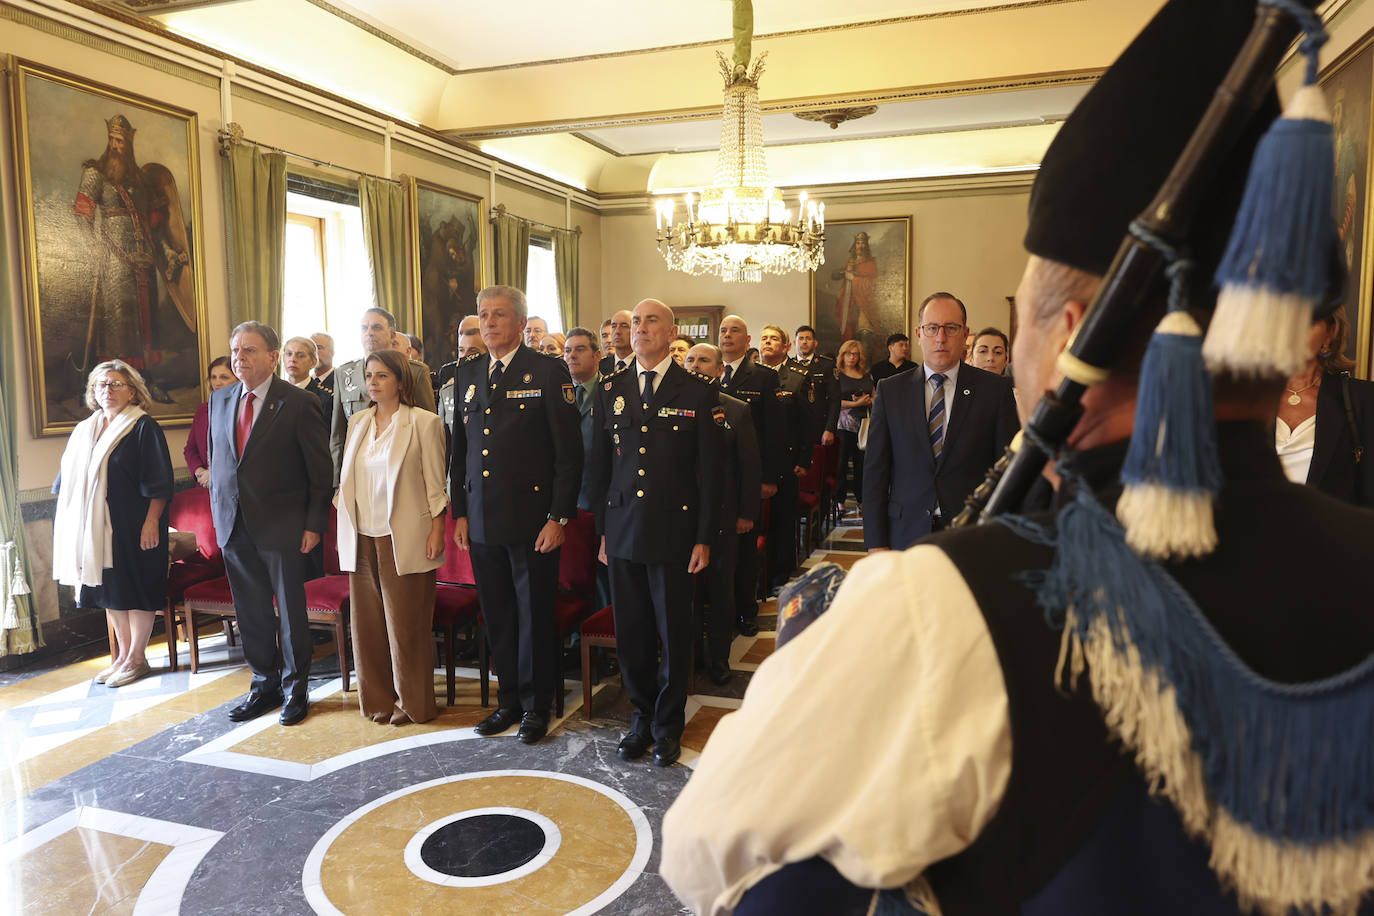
[
  {"x": 566, "y": 244},
  {"x": 255, "y": 191},
  {"x": 512, "y": 251},
  {"x": 384, "y": 232},
  {"x": 20, "y": 631}
]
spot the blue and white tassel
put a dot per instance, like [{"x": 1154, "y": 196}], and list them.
[{"x": 1277, "y": 264}]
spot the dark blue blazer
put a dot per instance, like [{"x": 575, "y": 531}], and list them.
[
  {"x": 902, "y": 481},
  {"x": 282, "y": 485}
]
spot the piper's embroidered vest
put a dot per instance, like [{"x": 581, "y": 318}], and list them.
[{"x": 1215, "y": 758}]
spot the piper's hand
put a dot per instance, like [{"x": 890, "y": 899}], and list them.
[
  {"x": 744, "y": 525},
  {"x": 308, "y": 541},
  {"x": 601, "y": 555},
  {"x": 701, "y": 555},
  {"x": 149, "y": 537},
  {"x": 550, "y": 537},
  {"x": 827, "y": 437},
  {"x": 768, "y": 490},
  {"x": 460, "y": 533}
]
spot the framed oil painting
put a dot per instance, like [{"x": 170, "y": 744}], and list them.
[
  {"x": 1347, "y": 84},
  {"x": 446, "y": 226},
  {"x": 700, "y": 322},
  {"x": 110, "y": 220},
  {"x": 863, "y": 290}
]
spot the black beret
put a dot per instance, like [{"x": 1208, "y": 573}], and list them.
[{"x": 1114, "y": 151}]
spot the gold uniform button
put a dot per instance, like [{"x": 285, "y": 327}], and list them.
[
  {"x": 536, "y": 488},
  {"x": 684, "y": 509},
  {"x": 641, "y": 472},
  {"x": 639, "y": 493},
  {"x": 487, "y": 431},
  {"x": 522, "y": 406},
  {"x": 644, "y": 429},
  {"x": 486, "y": 473},
  {"x": 488, "y": 410},
  {"x": 485, "y": 453},
  {"x": 643, "y": 450},
  {"x": 674, "y": 429}
]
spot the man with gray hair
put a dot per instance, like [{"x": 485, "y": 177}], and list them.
[
  {"x": 269, "y": 497},
  {"x": 514, "y": 473}
]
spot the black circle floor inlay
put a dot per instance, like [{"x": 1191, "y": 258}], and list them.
[{"x": 486, "y": 844}]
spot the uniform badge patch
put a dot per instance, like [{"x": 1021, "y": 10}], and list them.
[
  {"x": 811, "y": 395},
  {"x": 569, "y": 395},
  {"x": 607, "y": 386},
  {"x": 618, "y": 407},
  {"x": 528, "y": 378},
  {"x": 468, "y": 395},
  {"x": 718, "y": 414}
]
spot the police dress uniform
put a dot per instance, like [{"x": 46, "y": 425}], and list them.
[
  {"x": 822, "y": 402},
  {"x": 516, "y": 463},
  {"x": 350, "y": 396},
  {"x": 757, "y": 386},
  {"x": 658, "y": 495},
  {"x": 796, "y": 447}
]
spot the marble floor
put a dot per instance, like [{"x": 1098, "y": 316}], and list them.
[{"x": 146, "y": 799}]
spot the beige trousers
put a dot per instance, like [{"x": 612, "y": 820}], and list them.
[{"x": 393, "y": 642}]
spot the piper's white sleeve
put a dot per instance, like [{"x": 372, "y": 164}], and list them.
[{"x": 879, "y": 739}]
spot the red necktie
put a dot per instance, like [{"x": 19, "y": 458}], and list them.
[{"x": 246, "y": 421}]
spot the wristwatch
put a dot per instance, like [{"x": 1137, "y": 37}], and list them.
[{"x": 563, "y": 522}]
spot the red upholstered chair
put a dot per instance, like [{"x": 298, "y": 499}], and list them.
[
  {"x": 831, "y": 468},
  {"x": 455, "y": 605},
  {"x": 597, "y": 630},
  {"x": 327, "y": 600},
  {"x": 190, "y": 511},
  {"x": 809, "y": 498},
  {"x": 576, "y": 598},
  {"x": 761, "y": 532}
]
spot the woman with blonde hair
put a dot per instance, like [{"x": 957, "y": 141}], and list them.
[
  {"x": 299, "y": 356},
  {"x": 856, "y": 397},
  {"x": 391, "y": 504},
  {"x": 552, "y": 344},
  {"x": 110, "y": 530}
]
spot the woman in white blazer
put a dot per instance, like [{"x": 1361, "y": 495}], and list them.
[{"x": 391, "y": 505}]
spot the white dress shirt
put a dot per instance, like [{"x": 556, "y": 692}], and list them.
[
  {"x": 505, "y": 364},
  {"x": 658, "y": 376},
  {"x": 734, "y": 369},
  {"x": 261, "y": 396},
  {"x": 883, "y": 732},
  {"x": 372, "y": 490},
  {"x": 951, "y": 379}
]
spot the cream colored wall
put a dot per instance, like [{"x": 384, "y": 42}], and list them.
[
  {"x": 969, "y": 245},
  {"x": 308, "y": 136}
]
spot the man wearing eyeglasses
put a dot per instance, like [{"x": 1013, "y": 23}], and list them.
[{"x": 933, "y": 433}]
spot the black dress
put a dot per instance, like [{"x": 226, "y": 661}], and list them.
[{"x": 139, "y": 471}]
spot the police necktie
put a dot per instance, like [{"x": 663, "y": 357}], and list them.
[
  {"x": 619, "y": 364},
  {"x": 729, "y": 371},
  {"x": 581, "y": 397},
  {"x": 648, "y": 387},
  {"x": 496, "y": 374},
  {"x": 246, "y": 422},
  {"x": 936, "y": 421}
]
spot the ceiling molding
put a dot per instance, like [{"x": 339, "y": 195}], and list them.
[
  {"x": 789, "y": 106},
  {"x": 382, "y": 34},
  {"x": 766, "y": 36}
]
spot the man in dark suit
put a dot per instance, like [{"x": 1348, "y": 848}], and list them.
[
  {"x": 514, "y": 472},
  {"x": 757, "y": 387},
  {"x": 822, "y": 404},
  {"x": 796, "y": 447},
  {"x": 898, "y": 358},
  {"x": 350, "y": 388},
  {"x": 619, "y": 352},
  {"x": 270, "y": 485},
  {"x": 933, "y": 434},
  {"x": 658, "y": 460},
  {"x": 739, "y": 513}
]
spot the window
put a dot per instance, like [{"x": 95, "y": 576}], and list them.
[
  {"x": 328, "y": 280},
  {"x": 541, "y": 284}
]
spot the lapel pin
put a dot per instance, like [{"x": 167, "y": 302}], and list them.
[{"x": 965, "y": 391}]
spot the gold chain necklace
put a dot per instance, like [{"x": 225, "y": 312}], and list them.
[{"x": 1293, "y": 396}]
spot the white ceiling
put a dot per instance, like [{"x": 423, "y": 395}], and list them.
[
  {"x": 965, "y": 112},
  {"x": 474, "y": 35}
]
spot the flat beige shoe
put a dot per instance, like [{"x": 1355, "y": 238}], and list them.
[
  {"x": 104, "y": 676},
  {"x": 129, "y": 675}
]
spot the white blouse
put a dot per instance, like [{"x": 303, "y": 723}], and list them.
[
  {"x": 1295, "y": 447},
  {"x": 369, "y": 469}
]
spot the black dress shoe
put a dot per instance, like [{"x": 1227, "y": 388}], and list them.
[
  {"x": 634, "y": 745},
  {"x": 533, "y": 726},
  {"x": 667, "y": 752},
  {"x": 293, "y": 713},
  {"x": 747, "y": 627},
  {"x": 498, "y": 722},
  {"x": 720, "y": 674},
  {"x": 255, "y": 704}
]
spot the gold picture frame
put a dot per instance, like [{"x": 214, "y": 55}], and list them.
[
  {"x": 113, "y": 267},
  {"x": 872, "y": 300},
  {"x": 448, "y": 244}
]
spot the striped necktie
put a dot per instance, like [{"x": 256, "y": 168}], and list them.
[{"x": 936, "y": 421}]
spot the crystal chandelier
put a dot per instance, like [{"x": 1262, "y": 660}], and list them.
[{"x": 740, "y": 228}]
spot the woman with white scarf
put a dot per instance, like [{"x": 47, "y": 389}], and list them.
[{"x": 110, "y": 531}]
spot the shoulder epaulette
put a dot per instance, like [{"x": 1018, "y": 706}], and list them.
[
  {"x": 701, "y": 376},
  {"x": 469, "y": 358},
  {"x": 624, "y": 368}
]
